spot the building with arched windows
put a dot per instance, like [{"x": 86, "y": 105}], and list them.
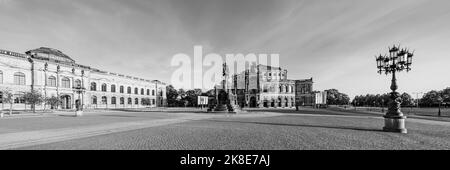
[
  {"x": 269, "y": 87},
  {"x": 53, "y": 73}
]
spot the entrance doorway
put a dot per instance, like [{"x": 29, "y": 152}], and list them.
[
  {"x": 252, "y": 102},
  {"x": 66, "y": 102}
]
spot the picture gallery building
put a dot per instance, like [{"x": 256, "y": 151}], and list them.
[{"x": 55, "y": 74}]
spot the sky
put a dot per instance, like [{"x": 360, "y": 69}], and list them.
[{"x": 333, "y": 41}]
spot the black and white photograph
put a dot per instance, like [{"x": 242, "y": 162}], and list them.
[{"x": 224, "y": 75}]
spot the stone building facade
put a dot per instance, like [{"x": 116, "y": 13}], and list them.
[
  {"x": 53, "y": 73},
  {"x": 264, "y": 86}
]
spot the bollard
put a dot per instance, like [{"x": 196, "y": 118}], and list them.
[{"x": 78, "y": 113}]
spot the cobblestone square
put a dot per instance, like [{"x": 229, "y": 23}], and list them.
[{"x": 255, "y": 130}]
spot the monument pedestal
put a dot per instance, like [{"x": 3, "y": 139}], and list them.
[{"x": 221, "y": 108}]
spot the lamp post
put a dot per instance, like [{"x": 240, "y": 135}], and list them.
[
  {"x": 78, "y": 104},
  {"x": 439, "y": 99},
  {"x": 417, "y": 98},
  {"x": 397, "y": 60}
]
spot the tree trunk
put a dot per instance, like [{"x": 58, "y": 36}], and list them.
[{"x": 10, "y": 109}]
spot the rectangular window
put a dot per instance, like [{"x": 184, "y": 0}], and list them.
[
  {"x": 19, "y": 99},
  {"x": 19, "y": 80},
  {"x": 51, "y": 82},
  {"x": 65, "y": 83}
]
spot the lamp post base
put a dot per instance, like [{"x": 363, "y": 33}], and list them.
[{"x": 394, "y": 124}]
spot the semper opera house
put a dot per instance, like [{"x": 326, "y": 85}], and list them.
[
  {"x": 264, "y": 86},
  {"x": 54, "y": 74}
]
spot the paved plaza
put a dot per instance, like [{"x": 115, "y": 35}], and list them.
[{"x": 175, "y": 129}]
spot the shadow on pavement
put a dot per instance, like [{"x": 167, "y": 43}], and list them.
[
  {"x": 118, "y": 115},
  {"x": 160, "y": 111},
  {"x": 299, "y": 125},
  {"x": 66, "y": 115},
  {"x": 315, "y": 112}
]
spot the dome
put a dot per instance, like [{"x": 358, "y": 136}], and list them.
[{"x": 46, "y": 53}]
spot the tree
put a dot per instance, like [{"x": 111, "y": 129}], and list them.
[
  {"x": 209, "y": 93},
  {"x": 434, "y": 98},
  {"x": 334, "y": 97},
  {"x": 377, "y": 100},
  {"x": 430, "y": 98},
  {"x": 172, "y": 95},
  {"x": 407, "y": 100},
  {"x": 446, "y": 95},
  {"x": 146, "y": 101},
  {"x": 191, "y": 97},
  {"x": 8, "y": 97},
  {"x": 53, "y": 101},
  {"x": 33, "y": 98}
]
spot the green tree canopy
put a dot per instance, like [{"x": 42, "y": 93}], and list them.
[{"x": 334, "y": 97}]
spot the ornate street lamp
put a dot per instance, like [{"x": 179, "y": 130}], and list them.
[{"x": 397, "y": 60}]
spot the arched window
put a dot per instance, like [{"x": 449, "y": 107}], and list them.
[
  {"x": 113, "y": 100},
  {"x": 121, "y": 89},
  {"x": 65, "y": 82},
  {"x": 104, "y": 100},
  {"x": 148, "y": 92},
  {"x": 19, "y": 78},
  {"x": 1, "y": 77},
  {"x": 153, "y": 92},
  {"x": 136, "y": 101},
  {"x": 130, "y": 101},
  {"x": 94, "y": 99},
  {"x": 77, "y": 83},
  {"x": 113, "y": 88},
  {"x": 122, "y": 100},
  {"x": 51, "y": 81},
  {"x": 104, "y": 87},
  {"x": 93, "y": 86},
  {"x": 129, "y": 90},
  {"x": 142, "y": 91},
  {"x": 136, "y": 90}
]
